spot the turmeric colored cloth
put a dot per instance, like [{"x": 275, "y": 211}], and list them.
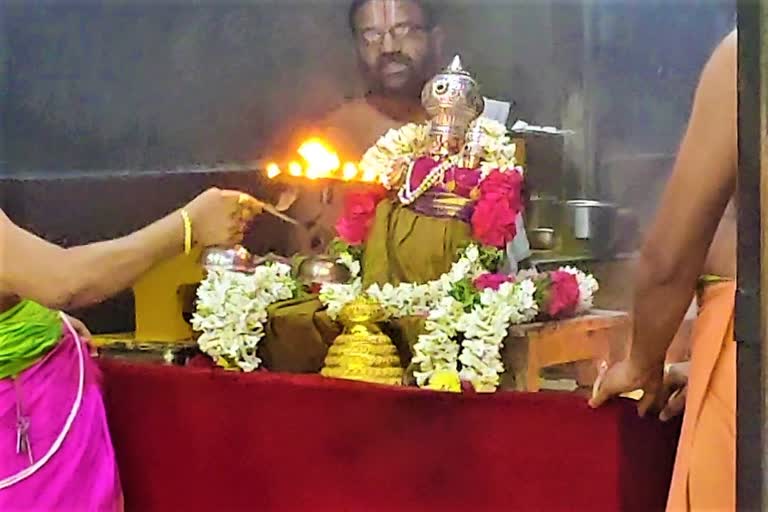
[
  {"x": 405, "y": 246},
  {"x": 705, "y": 468}
]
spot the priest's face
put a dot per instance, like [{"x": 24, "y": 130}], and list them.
[{"x": 398, "y": 50}]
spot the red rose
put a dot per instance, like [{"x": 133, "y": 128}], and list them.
[
  {"x": 563, "y": 294},
  {"x": 489, "y": 280},
  {"x": 359, "y": 210},
  {"x": 495, "y": 214}
]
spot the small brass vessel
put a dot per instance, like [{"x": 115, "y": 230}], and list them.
[{"x": 362, "y": 352}]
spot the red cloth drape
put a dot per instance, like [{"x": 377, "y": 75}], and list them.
[{"x": 192, "y": 439}]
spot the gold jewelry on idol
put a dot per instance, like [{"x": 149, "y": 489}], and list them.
[{"x": 187, "y": 232}]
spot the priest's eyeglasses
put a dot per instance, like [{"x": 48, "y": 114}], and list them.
[{"x": 399, "y": 32}]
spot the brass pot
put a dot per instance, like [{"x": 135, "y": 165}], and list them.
[{"x": 542, "y": 239}]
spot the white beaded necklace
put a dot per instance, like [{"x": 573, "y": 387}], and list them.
[{"x": 407, "y": 195}]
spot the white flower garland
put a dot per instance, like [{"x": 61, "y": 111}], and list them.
[
  {"x": 396, "y": 149},
  {"x": 232, "y": 308},
  {"x": 436, "y": 351},
  {"x": 484, "y": 328}
]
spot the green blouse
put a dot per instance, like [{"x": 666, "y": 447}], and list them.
[{"x": 27, "y": 332}]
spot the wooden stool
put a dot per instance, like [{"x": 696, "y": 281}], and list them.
[{"x": 599, "y": 335}]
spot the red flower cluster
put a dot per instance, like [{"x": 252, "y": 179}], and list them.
[
  {"x": 563, "y": 294},
  {"x": 495, "y": 213},
  {"x": 359, "y": 210}
]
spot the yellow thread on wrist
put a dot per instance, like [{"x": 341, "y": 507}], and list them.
[{"x": 187, "y": 232}]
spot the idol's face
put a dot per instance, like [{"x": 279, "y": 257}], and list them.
[{"x": 397, "y": 51}]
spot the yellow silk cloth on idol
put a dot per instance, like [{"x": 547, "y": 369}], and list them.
[{"x": 405, "y": 246}]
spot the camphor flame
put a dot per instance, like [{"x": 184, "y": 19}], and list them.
[{"x": 320, "y": 162}]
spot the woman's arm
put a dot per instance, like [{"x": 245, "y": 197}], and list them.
[
  {"x": 81, "y": 276},
  {"x": 702, "y": 183}
]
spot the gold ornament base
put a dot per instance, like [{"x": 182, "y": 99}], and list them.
[{"x": 362, "y": 352}]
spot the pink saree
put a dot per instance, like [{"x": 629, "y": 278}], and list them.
[{"x": 65, "y": 462}]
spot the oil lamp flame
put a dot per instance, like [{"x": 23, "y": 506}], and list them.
[
  {"x": 295, "y": 169},
  {"x": 273, "y": 170},
  {"x": 320, "y": 161},
  {"x": 349, "y": 171}
]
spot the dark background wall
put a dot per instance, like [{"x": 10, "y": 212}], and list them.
[{"x": 118, "y": 84}]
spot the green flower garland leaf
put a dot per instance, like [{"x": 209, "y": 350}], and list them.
[
  {"x": 464, "y": 291},
  {"x": 491, "y": 258},
  {"x": 339, "y": 246}
]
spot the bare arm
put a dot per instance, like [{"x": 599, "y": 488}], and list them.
[
  {"x": 702, "y": 183},
  {"x": 61, "y": 278},
  {"x": 81, "y": 276}
]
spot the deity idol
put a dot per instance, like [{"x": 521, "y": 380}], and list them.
[
  {"x": 446, "y": 183},
  {"x": 450, "y": 181}
]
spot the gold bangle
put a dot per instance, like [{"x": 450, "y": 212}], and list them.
[{"x": 187, "y": 232}]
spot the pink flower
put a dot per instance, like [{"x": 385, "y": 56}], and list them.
[
  {"x": 489, "y": 280},
  {"x": 493, "y": 222},
  {"x": 563, "y": 294},
  {"x": 504, "y": 184},
  {"x": 359, "y": 211},
  {"x": 495, "y": 213}
]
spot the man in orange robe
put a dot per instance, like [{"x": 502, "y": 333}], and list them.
[{"x": 694, "y": 235}]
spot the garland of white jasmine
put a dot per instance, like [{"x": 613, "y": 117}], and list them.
[
  {"x": 402, "y": 145},
  {"x": 483, "y": 323},
  {"x": 232, "y": 309}
]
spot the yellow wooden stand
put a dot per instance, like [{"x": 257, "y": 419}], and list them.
[{"x": 159, "y": 300}]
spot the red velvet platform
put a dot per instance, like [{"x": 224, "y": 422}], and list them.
[{"x": 193, "y": 439}]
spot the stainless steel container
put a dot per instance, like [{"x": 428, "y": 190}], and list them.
[
  {"x": 237, "y": 258},
  {"x": 591, "y": 225},
  {"x": 543, "y": 212},
  {"x": 322, "y": 269}
]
